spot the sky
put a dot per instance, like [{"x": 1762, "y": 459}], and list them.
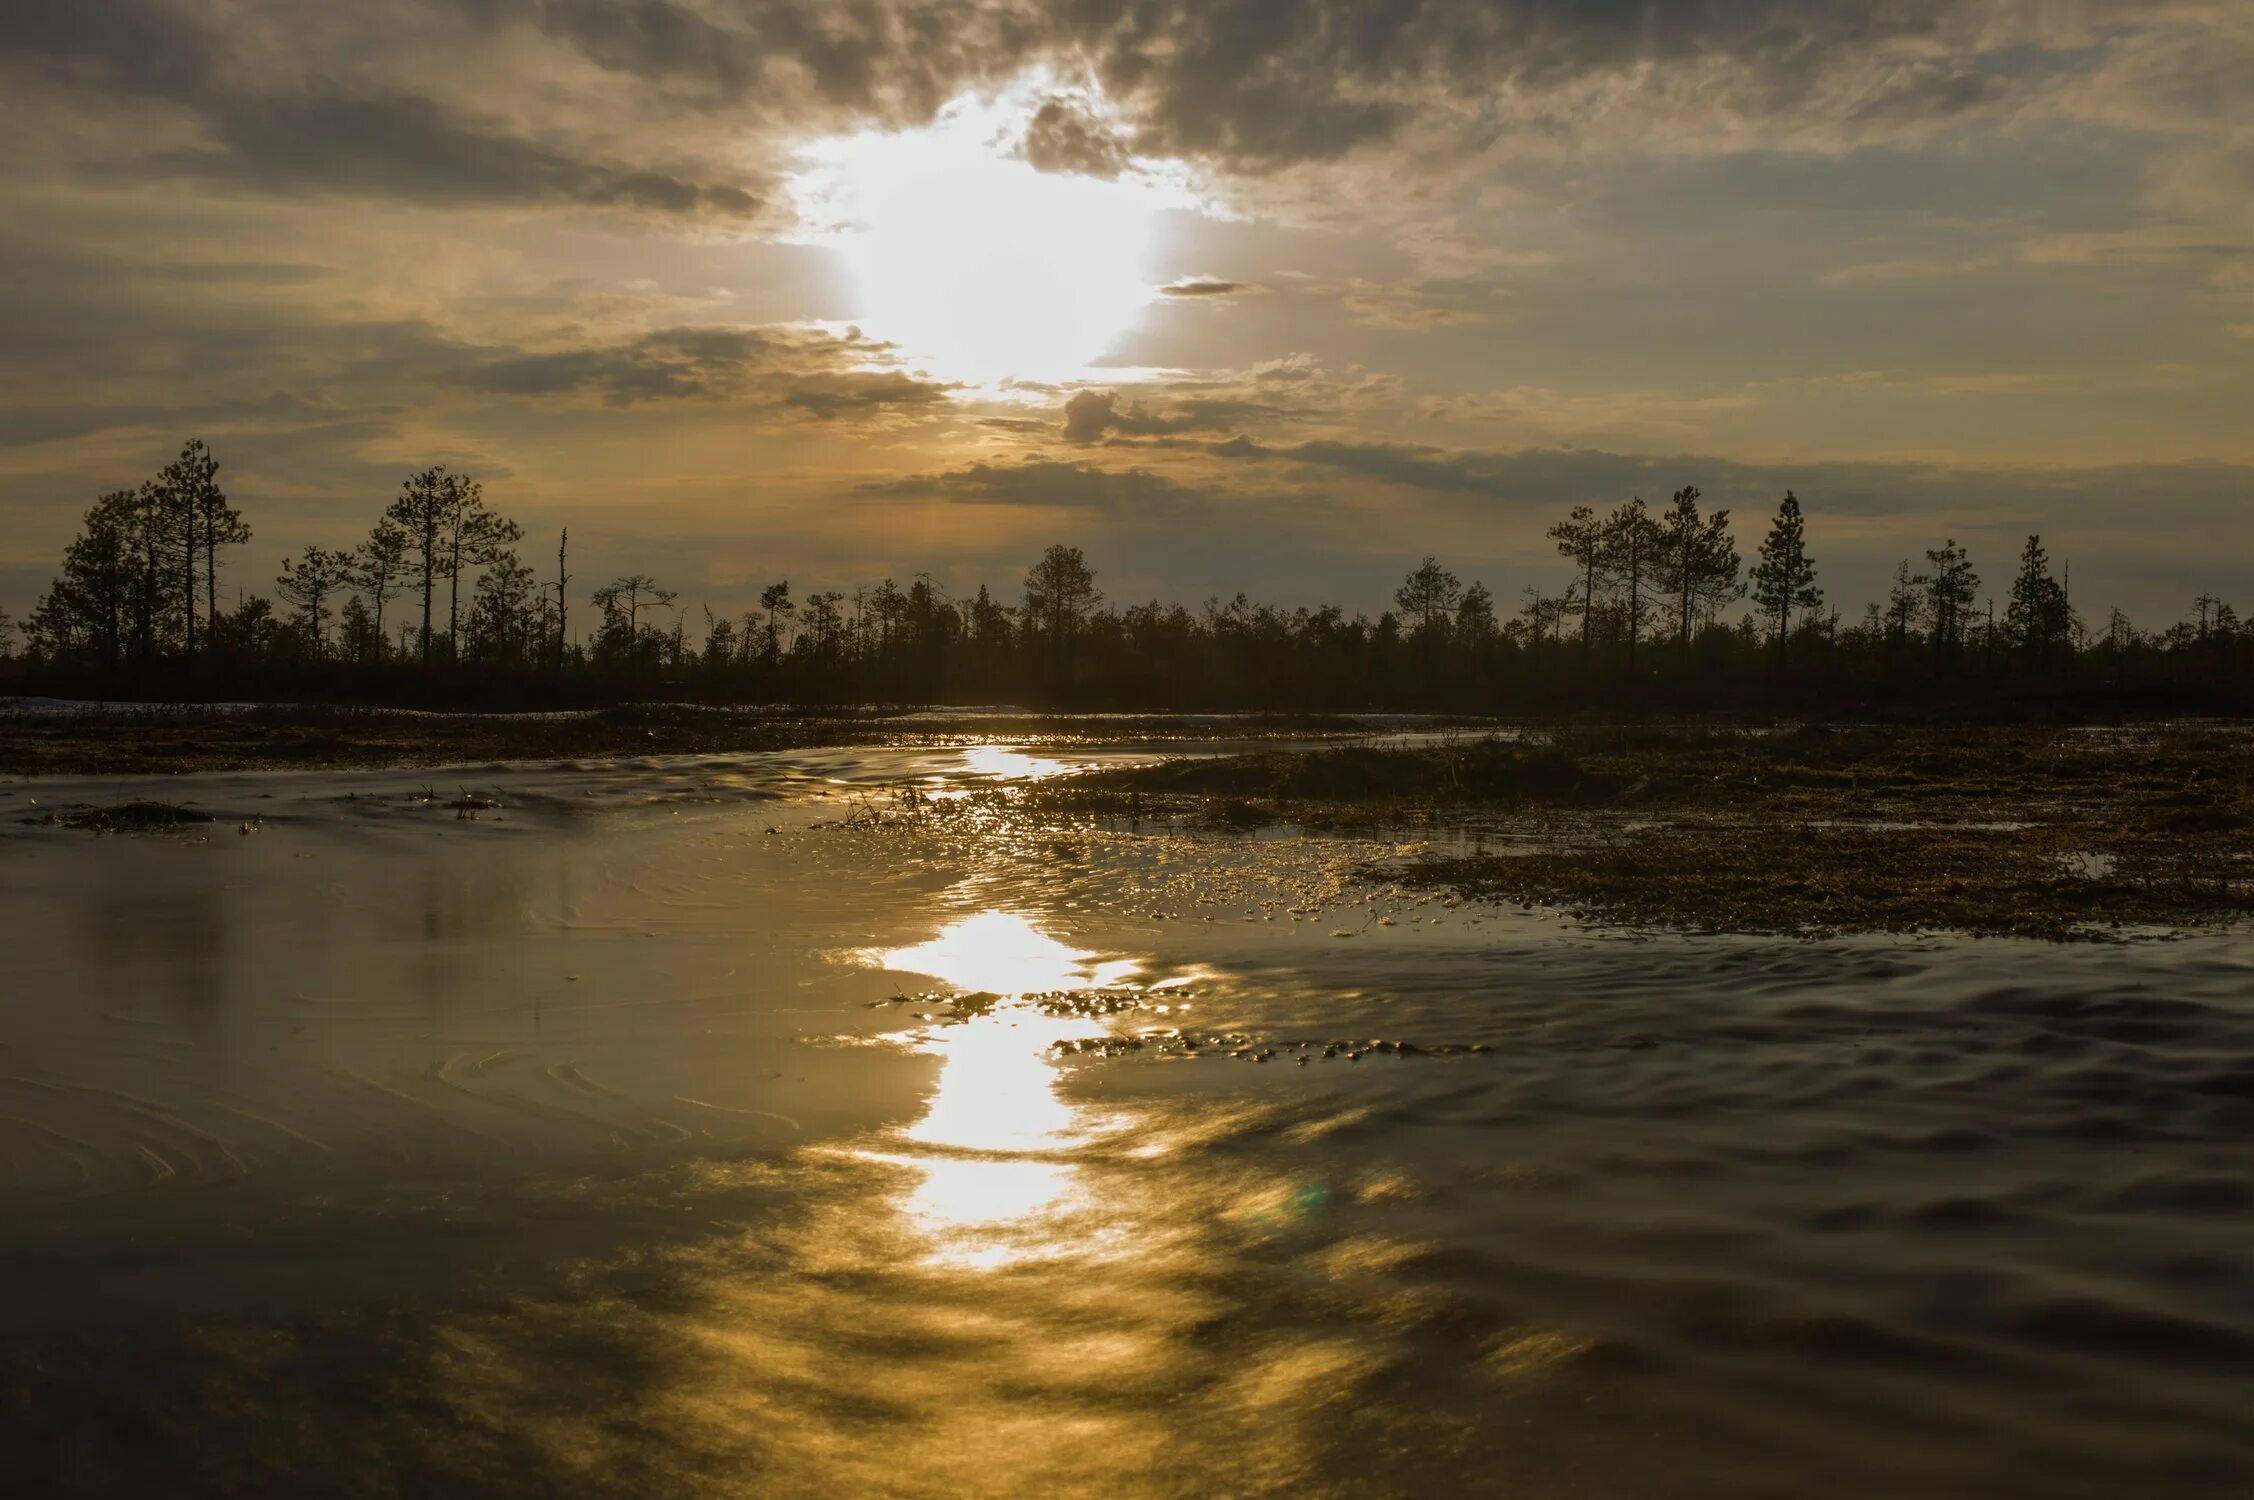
[{"x": 1271, "y": 295}]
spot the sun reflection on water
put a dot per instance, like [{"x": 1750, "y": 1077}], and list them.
[
  {"x": 1002, "y": 763},
  {"x": 995, "y": 1182}
]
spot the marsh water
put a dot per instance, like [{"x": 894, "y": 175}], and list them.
[{"x": 682, "y": 1128}]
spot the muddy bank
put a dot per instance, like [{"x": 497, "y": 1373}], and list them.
[
  {"x": 126, "y": 740},
  {"x": 2055, "y": 833}
]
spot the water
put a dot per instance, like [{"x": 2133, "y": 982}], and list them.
[{"x": 637, "y": 1137}]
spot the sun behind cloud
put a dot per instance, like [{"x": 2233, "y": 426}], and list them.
[{"x": 982, "y": 267}]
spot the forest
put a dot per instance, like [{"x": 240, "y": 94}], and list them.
[{"x": 1653, "y": 608}]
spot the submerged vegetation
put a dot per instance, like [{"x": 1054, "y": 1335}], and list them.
[
  {"x": 1654, "y": 608},
  {"x": 2036, "y": 832}
]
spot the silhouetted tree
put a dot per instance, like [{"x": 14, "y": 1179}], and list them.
[
  {"x": 1580, "y": 537},
  {"x": 622, "y": 601},
  {"x": 775, "y": 600},
  {"x": 1950, "y": 589},
  {"x": 180, "y": 501},
  {"x": 359, "y": 637},
  {"x": 308, "y": 583},
  {"x": 1697, "y": 563},
  {"x": 87, "y": 611},
  {"x": 1902, "y": 601},
  {"x": 1475, "y": 617},
  {"x": 2038, "y": 619},
  {"x": 377, "y": 568},
  {"x": 476, "y": 537},
  {"x": 1060, "y": 590},
  {"x": 1428, "y": 596},
  {"x": 1630, "y": 556},
  {"x": 1784, "y": 579},
  {"x": 505, "y": 618},
  {"x": 424, "y": 513},
  {"x": 217, "y": 523},
  {"x": 562, "y": 586}
]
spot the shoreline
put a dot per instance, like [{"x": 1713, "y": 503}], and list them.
[{"x": 178, "y": 739}]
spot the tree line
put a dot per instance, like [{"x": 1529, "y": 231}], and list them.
[{"x": 438, "y": 604}]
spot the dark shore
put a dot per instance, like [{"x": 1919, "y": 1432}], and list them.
[
  {"x": 176, "y": 739},
  {"x": 2041, "y": 832}
]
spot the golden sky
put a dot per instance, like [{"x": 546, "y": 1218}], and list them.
[{"x": 1266, "y": 294}]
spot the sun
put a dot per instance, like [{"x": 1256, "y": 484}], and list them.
[{"x": 978, "y": 267}]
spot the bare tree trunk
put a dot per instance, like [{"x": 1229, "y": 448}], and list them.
[
  {"x": 211, "y": 567},
  {"x": 563, "y": 607},
  {"x": 188, "y": 574}
]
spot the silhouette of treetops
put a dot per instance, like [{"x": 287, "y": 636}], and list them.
[{"x": 435, "y": 602}]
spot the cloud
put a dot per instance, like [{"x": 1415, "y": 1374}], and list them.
[
  {"x": 1206, "y": 286},
  {"x": 1044, "y": 482},
  {"x": 788, "y": 367},
  {"x": 1091, "y": 416},
  {"x": 1249, "y": 85},
  {"x": 1065, "y": 136},
  {"x": 404, "y": 146},
  {"x": 270, "y": 114},
  {"x": 840, "y": 395}
]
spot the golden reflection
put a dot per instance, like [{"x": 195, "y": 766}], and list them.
[
  {"x": 1005, "y": 764},
  {"x": 1001, "y": 953},
  {"x": 992, "y": 1152}
]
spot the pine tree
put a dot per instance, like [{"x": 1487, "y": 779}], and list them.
[
  {"x": 378, "y": 565},
  {"x": 1950, "y": 588},
  {"x": 1902, "y": 605},
  {"x": 1698, "y": 563},
  {"x": 1428, "y": 596},
  {"x": 422, "y": 512},
  {"x": 1784, "y": 579},
  {"x": 476, "y": 537},
  {"x": 1629, "y": 555},
  {"x": 1580, "y": 537},
  {"x": 308, "y": 583},
  {"x": 2038, "y": 619}
]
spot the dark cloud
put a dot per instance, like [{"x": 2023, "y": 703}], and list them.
[
  {"x": 403, "y": 146},
  {"x": 887, "y": 61},
  {"x": 1205, "y": 286},
  {"x": 297, "y": 130},
  {"x": 1268, "y": 82},
  {"x": 1044, "y": 482},
  {"x": 1065, "y": 137},
  {"x": 1252, "y": 85},
  {"x": 1091, "y": 416},
  {"x": 791, "y": 368},
  {"x": 841, "y": 395},
  {"x": 134, "y": 45}
]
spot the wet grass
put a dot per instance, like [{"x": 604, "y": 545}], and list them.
[{"x": 2051, "y": 833}]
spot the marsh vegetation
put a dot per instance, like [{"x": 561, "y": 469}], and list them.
[{"x": 2056, "y": 833}]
